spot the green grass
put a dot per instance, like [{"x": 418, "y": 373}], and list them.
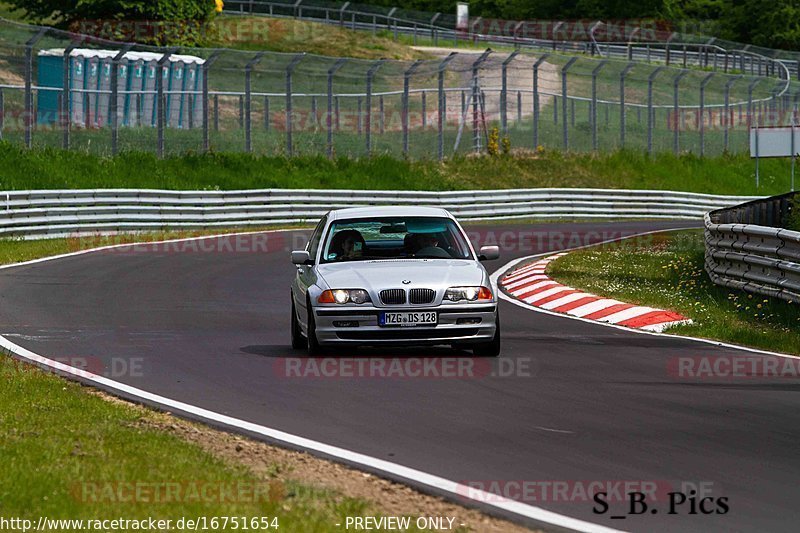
[
  {"x": 60, "y": 444},
  {"x": 54, "y": 169},
  {"x": 666, "y": 271},
  {"x": 288, "y": 35}
]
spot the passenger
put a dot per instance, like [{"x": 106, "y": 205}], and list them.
[{"x": 348, "y": 244}]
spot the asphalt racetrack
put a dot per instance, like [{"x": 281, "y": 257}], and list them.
[{"x": 568, "y": 403}]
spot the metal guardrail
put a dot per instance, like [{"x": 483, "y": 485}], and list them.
[
  {"x": 747, "y": 247},
  {"x": 52, "y": 213}
]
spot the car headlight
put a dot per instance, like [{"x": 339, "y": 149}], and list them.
[
  {"x": 470, "y": 294},
  {"x": 343, "y": 296}
]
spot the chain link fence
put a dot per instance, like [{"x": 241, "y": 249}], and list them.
[{"x": 125, "y": 97}]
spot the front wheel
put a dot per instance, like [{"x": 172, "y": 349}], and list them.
[
  {"x": 313, "y": 348},
  {"x": 298, "y": 341},
  {"x": 491, "y": 348}
]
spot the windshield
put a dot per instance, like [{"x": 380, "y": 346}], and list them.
[{"x": 394, "y": 238}]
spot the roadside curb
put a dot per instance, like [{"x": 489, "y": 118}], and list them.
[{"x": 528, "y": 283}]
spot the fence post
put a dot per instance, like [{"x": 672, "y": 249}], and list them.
[
  {"x": 434, "y": 32},
  {"x": 405, "y": 107},
  {"x": 564, "y": 99},
  {"x": 504, "y": 92},
  {"x": 476, "y": 139},
  {"x": 329, "y": 122},
  {"x": 536, "y": 66},
  {"x": 650, "y": 116},
  {"x": 160, "y": 100},
  {"x": 66, "y": 91},
  {"x": 442, "y": 103},
  {"x": 622, "y": 75},
  {"x": 206, "y": 66},
  {"x": 728, "y": 86},
  {"x": 248, "y": 74},
  {"x": 341, "y": 13},
  {"x": 667, "y": 49},
  {"x": 702, "y": 111},
  {"x": 630, "y": 42},
  {"x": 595, "y": 72},
  {"x": 676, "y": 111},
  {"x": 114, "y": 94},
  {"x": 370, "y": 75},
  {"x": 29, "y": 118},
  {"x": 289, "y": 70},
  {"x": 750, "y": 109},
  {"x": 424, "y": 109}
]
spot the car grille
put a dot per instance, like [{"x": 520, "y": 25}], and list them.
[
  {"x": 393, "y": 296},
  {"x": 421, "y": 296}
]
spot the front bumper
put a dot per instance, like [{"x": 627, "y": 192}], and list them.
[{"x": 464, "y": 323}]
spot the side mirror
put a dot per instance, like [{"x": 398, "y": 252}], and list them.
[
  {"x": 488, "y": 253},
  {"x": 301, "y": 257}
]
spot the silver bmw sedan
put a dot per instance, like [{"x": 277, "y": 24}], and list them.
[{"x": 393, "y": 275}]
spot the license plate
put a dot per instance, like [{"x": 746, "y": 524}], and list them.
[{"x": 409, "y": 318}]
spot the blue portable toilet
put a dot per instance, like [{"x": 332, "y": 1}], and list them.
[{"x": 89, "y": 83}]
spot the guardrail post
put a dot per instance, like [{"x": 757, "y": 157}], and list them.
[
  {"x": 536, "y": 66},
  {"x": 504, "y": 91},
  {"x": 564, "y": 99},
  {"x": 205, "y": 68},
  {"x": 114, "y": 94},
  {"x": 676, "y": 111},
  {"x": 370, "y": 74},
  {"x": 289, "y": 122},
  {"x": 248, "y": 72},
  {"x": 161, "y": 103},
  {"x": 702, "y": 111},
  {"x": 728, "y": 121},
  {"x": 29, "y": 118},
  {"x": 66, "y": 91},
  {"x": 442, "y": 103},
  {"x": 476, "y": 138},
  {"x": 405, "y": 107},
  {"x": 622, "y": 76},
  {"x": 329, "y": 122},
  {"x": 650, "y": 117},
  {"x": 593, "y": 117}
]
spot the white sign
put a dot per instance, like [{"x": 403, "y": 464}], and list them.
[
  {"x": 462, "y": 16},
  {"x": 774, "y": 142}
]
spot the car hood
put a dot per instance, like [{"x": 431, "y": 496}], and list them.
[{"x": 387, "y": 274}]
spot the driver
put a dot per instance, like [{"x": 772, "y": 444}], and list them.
[{"x": 428, "y": 245}]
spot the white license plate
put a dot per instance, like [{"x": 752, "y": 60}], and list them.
[{"x": 409, "y": 318}]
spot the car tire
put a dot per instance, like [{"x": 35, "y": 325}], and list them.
[
  {"x": 313, "y": 347},
  {"x": 299, "y": 342},
  {"x": 491, "y": 348}
]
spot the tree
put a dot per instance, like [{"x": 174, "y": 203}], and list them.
[{"x": 173, "y": 21}]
